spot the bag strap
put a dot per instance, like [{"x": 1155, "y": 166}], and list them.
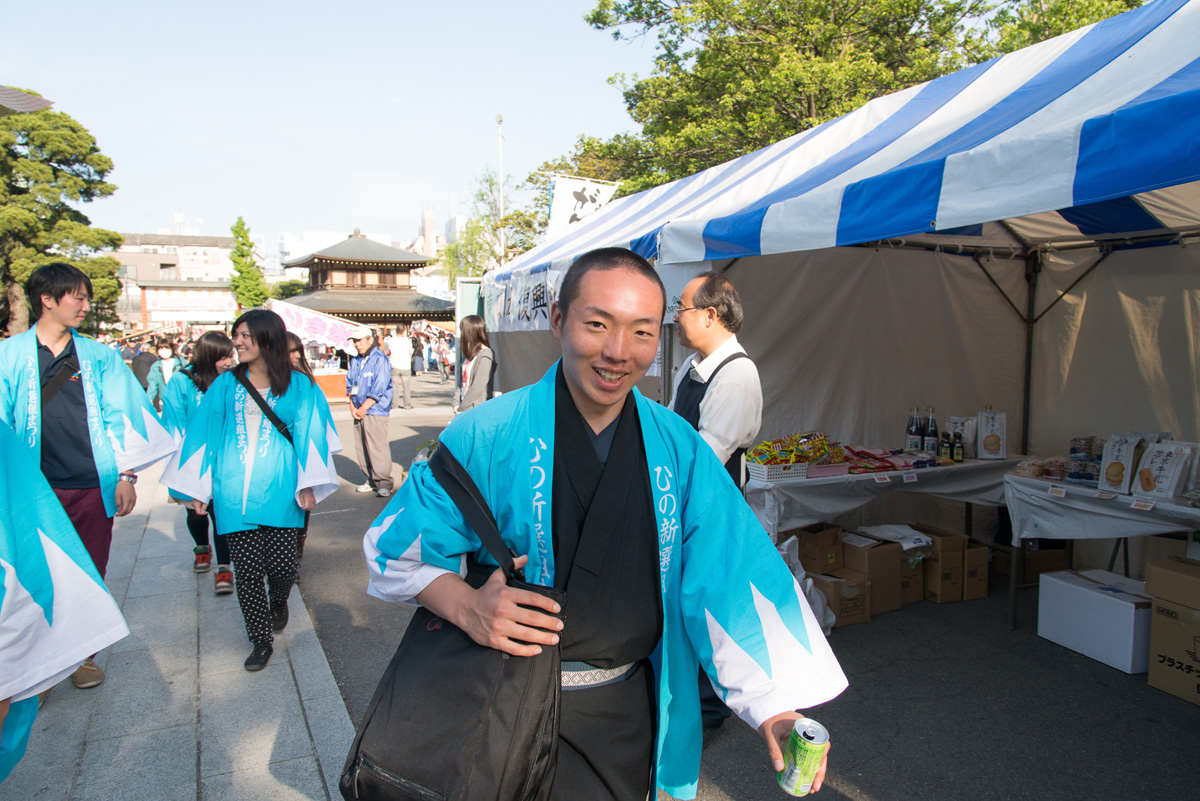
[
  {"x": 461, "y": 488},
  {"x": 69, "y": 368},
  {"x": 267, "y": 411}
]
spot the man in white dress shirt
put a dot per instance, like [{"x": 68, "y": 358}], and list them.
[
  {"x": 717, "y": 389},
  {"x": 719, "y": 393}
]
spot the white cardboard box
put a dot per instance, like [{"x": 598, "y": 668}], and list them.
[{"x": 1098, "y": 614}]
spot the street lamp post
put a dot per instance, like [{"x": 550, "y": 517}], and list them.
[{"x": 500, "y": 183}]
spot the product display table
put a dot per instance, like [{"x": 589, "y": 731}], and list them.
[
  {"x": 1075, "y": 512},
  {"x": 1079, "y": 515},
  {"x": 783, "y": 505}
]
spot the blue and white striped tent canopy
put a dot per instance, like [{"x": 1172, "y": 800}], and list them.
[{"x": 1091, "y": 136}]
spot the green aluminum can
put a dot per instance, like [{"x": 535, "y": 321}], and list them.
[{"x": 802, "y": 755}]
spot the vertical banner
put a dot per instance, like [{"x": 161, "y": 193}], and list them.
[{"x": 573, "y": 200}]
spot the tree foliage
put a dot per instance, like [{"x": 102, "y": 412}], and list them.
[
  {"x": 1025, "y": 22},
  {"x": 48, "y": 162},
  {"x": 248, "y": 286},
  {"x": 289, "y": 289},
  {"x": 477, "y": 247},
  {"x": 733, "y": 76}
]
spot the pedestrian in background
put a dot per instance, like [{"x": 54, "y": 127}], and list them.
[
  {"x": 143, "y": 360},
  {"x": 212, "y": 356},
  {"x": 161, "y": 371},
  {"x": 442, "y": 354},
  {"x": 369, "y": 387},
  {"x": 260, "y": 448},
  {"x": 400, "y": 354},
  {"x": 300, "y": 365},
  {"x": 479, "y": 362},
  {"x": 57, "y": 390}
]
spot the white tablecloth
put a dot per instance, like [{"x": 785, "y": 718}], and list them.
[
  {"x": 783, "y": 505},
  {"x": 1081, "y": 515}
]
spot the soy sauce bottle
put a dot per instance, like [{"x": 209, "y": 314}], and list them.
[
  {"x": 929, "y": 435},
  {"x": 945, "y": 448},
  {"x": 914, "y": 432},
  {"x": 958, "y": 446}
]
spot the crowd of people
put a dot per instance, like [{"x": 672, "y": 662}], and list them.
[{"x": 249, "y": 439}]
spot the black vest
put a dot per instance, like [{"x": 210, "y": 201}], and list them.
[{"x": 687, "y": 406}]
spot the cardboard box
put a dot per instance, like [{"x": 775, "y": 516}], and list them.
[
  {"x": 1174, "y": 579},
  {"x": 1098, "y": 614},
  {"x": 1036, "y": 562},
  {"x": 820, "y": 548},
  {"x": 975, "y": 572},
  {"x": 849, "y": 596},
  {"x": 1175, "y": 650},
  {"x": 879, "y": 561},
  {"x": 943, "y": 567},
  {"x": 912, "y": 581}
]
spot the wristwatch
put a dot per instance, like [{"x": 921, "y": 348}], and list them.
[{"x": 130, "y": 477}]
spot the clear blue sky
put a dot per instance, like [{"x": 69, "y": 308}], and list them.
[{"x": 316, "y": 115}]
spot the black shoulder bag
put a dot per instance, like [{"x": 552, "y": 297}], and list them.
[
  {"x": 267, "y": 411},
  {"x": 452, "y": 720}
]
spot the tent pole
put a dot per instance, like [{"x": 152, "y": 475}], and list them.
[{"x": 1033, "y": 268}]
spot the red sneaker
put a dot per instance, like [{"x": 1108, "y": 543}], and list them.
[
  {"x": 224, "y": 580},
  {"x": 203, "y": 561}
]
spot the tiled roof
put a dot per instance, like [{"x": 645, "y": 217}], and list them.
[
  {"x": 359, "y": 248},
  {"x": 347, "y": 302}
]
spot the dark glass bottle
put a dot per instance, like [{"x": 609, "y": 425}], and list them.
[
  {"x": 945, "y": 448},
  {"x": 914, "y": 432},
  {"x": 958, "y": 446},
  {"x": 929, "y": 435}
]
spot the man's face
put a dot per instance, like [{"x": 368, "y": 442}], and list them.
[
  {"x": 70, "y": 310},
  {"x": 362, "y": 345},
  {"x": 609, "y": 339},
  {"x": 690, "y": 321}
]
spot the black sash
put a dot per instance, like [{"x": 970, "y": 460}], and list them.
[{"x": 687, "y": 406}]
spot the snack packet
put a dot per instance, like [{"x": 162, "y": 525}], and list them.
[
  {"x": 1164, "y": 471},
  {"x": 1122, "y": 455},
  {"x": 992, "y": 435},
  {"x": 966, "y": 427}
]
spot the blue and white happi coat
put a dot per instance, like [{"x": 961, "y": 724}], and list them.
[
  {"x": 125, "y": 430},
  {"x": 729, "y": 602},
  {"x": 54, "y": 608},
  {"x": 210, "y": 463},
  {"x": 180, "y": 402}
]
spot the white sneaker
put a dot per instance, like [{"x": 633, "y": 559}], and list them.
[
  {"x": 384, "y": 493},
  {"x": 364, "y": 488}
]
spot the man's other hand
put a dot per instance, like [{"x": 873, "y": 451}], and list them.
[
  {"x": 126, "y": 498},
  {"x": 306, "y": 499},
  {"x": 775, "y": 731}
]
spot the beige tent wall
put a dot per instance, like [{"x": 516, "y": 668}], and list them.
[{"x": 1119, "y": 352}]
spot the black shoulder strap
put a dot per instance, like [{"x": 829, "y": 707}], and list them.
[
  {"x": 731, "y": 357},
  {"x": 461, "y": 488},
  {"x": 69, "y": 368},
  {"x": 267, "y": 411}
]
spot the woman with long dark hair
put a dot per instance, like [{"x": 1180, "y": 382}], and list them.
[
  {"x": 212, "y": 356},
  {"x": 260, "y": 448},
  {"x": 479, "y": 362}
]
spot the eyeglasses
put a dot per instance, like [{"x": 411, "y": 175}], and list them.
[{"x": 677, "y": 310}]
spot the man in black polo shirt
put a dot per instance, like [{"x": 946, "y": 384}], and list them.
[{"x": 73, "y": 401}]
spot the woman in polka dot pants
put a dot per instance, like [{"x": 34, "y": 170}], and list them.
[{"x": 260, "y": 446}]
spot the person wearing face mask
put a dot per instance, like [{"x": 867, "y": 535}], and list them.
[
  {"x": 212, "y": 356},
  {"x": 161, "y": 371}
]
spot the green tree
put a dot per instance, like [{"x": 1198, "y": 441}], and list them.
[
  {"x": 248, "y": 285},
  {"x": 732, "y": 76},
  {"x": 48, "y": 162},
  {"x": 1021, "y": 23},
  {"x": 288, "y": 289},
  {"x": 477, "y": 248}
]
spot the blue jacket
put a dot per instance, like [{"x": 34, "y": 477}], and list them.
[
  {"x": 126, "y": 431},
  {"x": 371, "y": 376},
  {"x": 730, "y": 606},
  {"x": 213, "y": 458}
]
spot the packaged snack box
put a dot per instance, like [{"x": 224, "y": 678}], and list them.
[
  {"x": 1122, "y": 455},
  {"x": 992, "y": 435},
  {"x": 1164, "y": 470}
]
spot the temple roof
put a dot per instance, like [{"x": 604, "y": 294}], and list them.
[{"x": 360, "y": 249}]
